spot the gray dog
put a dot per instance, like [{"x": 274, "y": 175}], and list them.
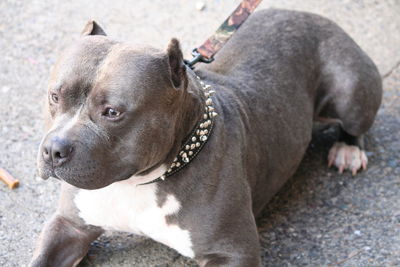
[{"x": 134, "y": 136}]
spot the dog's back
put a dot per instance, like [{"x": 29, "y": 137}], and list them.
[{"x": 280, "y": 72}]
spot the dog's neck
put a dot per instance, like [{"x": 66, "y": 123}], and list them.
[
  {"x": 194, "y": 125},
  {"x": 191, "y": 107}
]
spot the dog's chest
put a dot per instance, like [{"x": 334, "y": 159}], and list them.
[{"x": 123, "y": 206}]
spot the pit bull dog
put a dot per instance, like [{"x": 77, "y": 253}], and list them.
[{"x": 134, "y": 137}]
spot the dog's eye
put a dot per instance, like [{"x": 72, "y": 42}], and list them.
[
  {"x": 54, "y": 98},
  {"x": 111, "y": 113}
]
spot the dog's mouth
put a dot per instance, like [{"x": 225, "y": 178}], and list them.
[
  {"x": 91, "y": 178},
  {"x": 54, "y": 175},
  {"x": 49, "y": 173},
  {"x": 89, "y": 173}
]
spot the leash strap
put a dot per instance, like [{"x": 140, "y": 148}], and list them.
[{"x": 205, "y": 53}]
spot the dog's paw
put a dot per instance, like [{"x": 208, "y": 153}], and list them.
[{"x": 347, "y": 157}]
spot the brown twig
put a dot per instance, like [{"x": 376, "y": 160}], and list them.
[{"x": 7, "y": 178}]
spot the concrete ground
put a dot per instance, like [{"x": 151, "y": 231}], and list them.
[{"x": 319, "y": 218}]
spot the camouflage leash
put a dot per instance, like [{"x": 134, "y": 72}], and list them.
[{"x": 205, "y": 53}]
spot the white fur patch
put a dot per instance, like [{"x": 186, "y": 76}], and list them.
[{"x": 124, "y": 206}]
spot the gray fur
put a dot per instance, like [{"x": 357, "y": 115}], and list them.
[{"x": 278, "y": 74}]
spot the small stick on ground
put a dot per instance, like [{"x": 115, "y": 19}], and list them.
[{"x": 6, "y": 177}]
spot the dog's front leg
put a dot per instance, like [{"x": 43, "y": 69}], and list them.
[
  {"x": 63, "y": 243},
  {"x": 236, "y": 244}
]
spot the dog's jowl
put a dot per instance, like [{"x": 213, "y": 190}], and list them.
[{"x": 134, "y": 137}]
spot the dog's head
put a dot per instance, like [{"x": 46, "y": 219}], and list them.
[{"x": 113, "y": 110}]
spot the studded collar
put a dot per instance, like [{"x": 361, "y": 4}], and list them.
[{"x": 196, "y": 140}]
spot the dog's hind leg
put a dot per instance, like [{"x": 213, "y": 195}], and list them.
[
  {"x": 348, "y": 153},
  {"x": 354, "y": 110},
  {"x": 350, "y": 93}
]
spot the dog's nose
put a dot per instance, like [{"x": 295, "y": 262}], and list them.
[{"x": 57, "y": 151}]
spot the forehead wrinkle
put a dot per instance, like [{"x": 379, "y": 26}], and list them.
[
  {"x": 101, "y": 71},
  {"x": 79, "y": 63},
  {"x": 125, "y": 55},
  {"x": 111, "y": 56},
  {"x": 126, "y": 63},
  {"x": 110, "y": 73}
]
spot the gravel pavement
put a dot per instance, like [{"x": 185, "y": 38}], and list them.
[{"x": 319, "y": 218}]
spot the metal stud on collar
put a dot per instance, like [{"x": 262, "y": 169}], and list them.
[{"x": 197, "y": 138}]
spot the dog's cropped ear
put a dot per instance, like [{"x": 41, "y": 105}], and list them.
[
  {"x": 92, "y": 28},
  {"x": 176, "y": 64}
]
